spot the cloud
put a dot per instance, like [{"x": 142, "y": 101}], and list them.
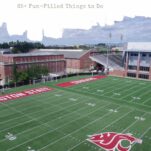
[{"x": 55, "y": 15}]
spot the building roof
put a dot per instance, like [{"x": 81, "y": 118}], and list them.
[
  {"x": 5, "y": 51},
  {"x": 32, "y": 54},
  {"x": 139, "y": 46},
  {"x": 71, "y": 53}
]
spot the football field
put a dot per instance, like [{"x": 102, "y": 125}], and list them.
[{"x": 63, "y": 119}]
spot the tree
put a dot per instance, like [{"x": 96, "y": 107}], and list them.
[{"x": 23, "y": 76}]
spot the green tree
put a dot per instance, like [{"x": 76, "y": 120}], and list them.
[{"x": 23, "y": 76}]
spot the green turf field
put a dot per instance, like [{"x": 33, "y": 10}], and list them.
[{"x": 62, "y": 119}]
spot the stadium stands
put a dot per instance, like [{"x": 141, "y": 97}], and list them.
[{"x": 115, "y": 61}]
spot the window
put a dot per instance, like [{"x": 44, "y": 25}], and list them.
[
  {"x": 144, "y": 68},
  {"x": 134, "y": 54},
  {"x": 143, "y": 55},
  {"x": 132, "y": 67},
  {"x": 131, "y": 74},
  {"x": 143, "y": 76}
]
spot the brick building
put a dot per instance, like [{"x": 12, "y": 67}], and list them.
[
  {"x": 54, "y": 62},
  {"x": 76, "y": 60},
  {"x": 133, "y": 61},
  {"x": 137, "y": 61}
]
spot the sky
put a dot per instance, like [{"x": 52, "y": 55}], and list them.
[{"x": 53, "y": 16}]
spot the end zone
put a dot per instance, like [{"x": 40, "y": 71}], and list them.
[
  {"x": 14, "y": 96},
  {"x": 72, "y": 83}
]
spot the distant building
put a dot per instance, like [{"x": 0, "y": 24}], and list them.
[
  {"x": 137, "y": 61},
  {"x": 54, "y": 62},
  {"x": 77, "y": 60},
  {"x": 5, "y": 51},
  {"x": 133, "y": 61}
]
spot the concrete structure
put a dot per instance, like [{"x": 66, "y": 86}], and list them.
[
  {"x": 54, "y": 62},
  {"x": 134, "y": 61},
  {"x": 137, "y": 61}
]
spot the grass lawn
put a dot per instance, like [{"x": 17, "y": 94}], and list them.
[{"x": 62, "y": 119}]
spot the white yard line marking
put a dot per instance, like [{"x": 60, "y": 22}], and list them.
[
  {"x": 36, "y": 119},
  {"x": 142, "y": 135},
  {"x": 44, "y": 101},
  {"x": 149, "y": 99},
  {"x": 117, "y": 85},
  {"x": 118, "y": 99},
  {"x": 136, "y": 91},
  {"x": 46, "y": 123},
  {"x": 104, "y": 86},
  {"x": 29, "y": 140},
  {"x": 103, "y": 129},
  {"x": 132, "y": 124},
  {"x": 73, "y": 132}
]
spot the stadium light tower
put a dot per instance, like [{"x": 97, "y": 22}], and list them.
[
  {"x": 56, "y": 63},
  {"x": 107, "y": 61},
  {"x": 121, "y": 38}
]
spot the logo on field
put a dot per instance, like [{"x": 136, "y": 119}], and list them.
[{"x": 110, "y": 141}]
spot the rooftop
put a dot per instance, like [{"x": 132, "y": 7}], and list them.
[
  {"x": 70, "y": 53},
  {"x": 32, "y": 54},
  {"x": 139, "y": 46}
]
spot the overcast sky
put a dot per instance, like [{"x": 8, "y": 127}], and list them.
[{"x": 42, "y": 14}]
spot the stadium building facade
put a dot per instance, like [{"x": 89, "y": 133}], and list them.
[
  {"x": 54, "y": 62},
  {"x": 137, "y": 62},
  {"x": 77, "y": 60},
  {"x": 133, "y": 61}
]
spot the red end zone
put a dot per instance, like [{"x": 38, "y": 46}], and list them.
[
  {"x": 71, "y": 83},
  {"x": 14, "y": 96}
]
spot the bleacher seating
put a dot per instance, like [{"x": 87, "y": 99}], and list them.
[{"x": 115, "y": 61}]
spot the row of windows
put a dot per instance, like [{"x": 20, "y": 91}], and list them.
[
  {"x": 141, "y": 68},
  {"x": 144, "y": 68},
  {"x": 142, "y": 76},
  {"x": 142, "y": 54},
  {"x": 132, "y": 67}
]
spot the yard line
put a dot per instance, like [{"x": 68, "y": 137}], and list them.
[
  {"x": 131, "y": 102},
  {"x": 109, "y": 126},
  {"x": 83, "y": 127},
  {"x": 40, "y": 111},
  {"x": 36, "y": 119},
  {"x": 129, "y": 94},
  {"x": 103, "y": 128},
  {"x": 88, "y": 84},
  {"x": 120, "y": 88},
  {"x": 40, "y": 116},
  {"x": 73, "y": 132},
  {"x": 29, "y": 140},
  {"x": 146, "y": 101},
  {"x": 115, "y": 90},
  {"x": 127, "y": 85},
  {"x": 108, "y": 97},
  {"x": 145, "y": 132},
  {"x": 37, "y": 97},
  {"x": 132, "y": 124},
  {"x": 142, "y": 95},
  {"x": 106, "y": 87},
  {"x": 142, "y": 135},
  {"x": 28, "y": 101},
  {"x": 44, "y": 123}
]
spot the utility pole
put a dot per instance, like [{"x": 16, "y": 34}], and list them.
[
  {"x": 107, "y": 62},
  {"x": 56, "y": 63}
]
